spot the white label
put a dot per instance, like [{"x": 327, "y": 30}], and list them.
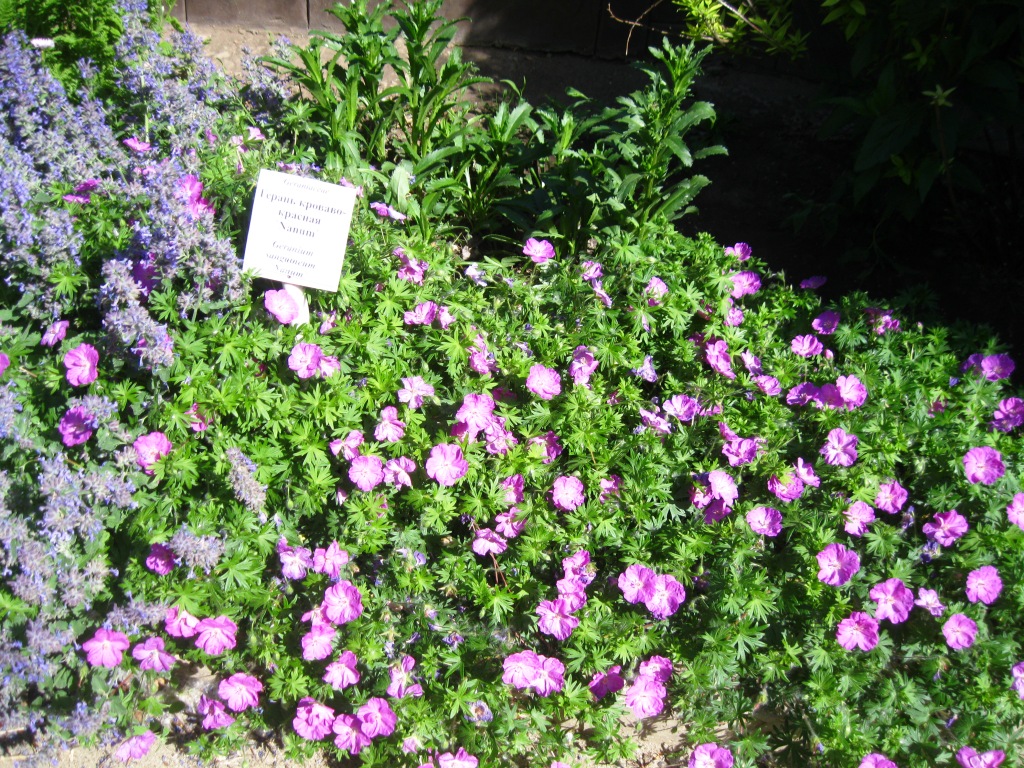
[{"x": 298, "y": 230}]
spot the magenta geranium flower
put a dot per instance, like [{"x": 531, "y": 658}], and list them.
[
  {"x": 397, "y": 472},
  {"x": 282, "y": 306},
  {"x": 807, "y": 346},
  {"x": 135, "y": 747},
  {"x": 893, "y": 601},
  {"x": 876, "y": 760},
  {"x": 637, "y": 583},
  {"x": 969, "y": 757},
  {"x": 858, "y": 630},
  {"x": 858, "y": 516},
  {"x": 367, "y": 472},
  {"x": 1015, "y": 510},
  {"x": 151, "y": 655},
  {"x": 539, "y": 251},
  {"x": 295, "y": 561},
  {"x": 81, "y": 364},
  {"x": 996, "y": 367},
  {"x": 413, "y": 391},
  {"x": 717, "y": 355},
  {"x": 544, "y": 382},
  {"x": 826, "y": 323},
  {"x": 461, "y": 759},
  {"x": 487, "y": 542},
  {"x": 983, "y": 465},
  {"x": 519, "y": 669},
  {"x": 837, "y": 565},
  {"x": 555, "y": 618},
  {"x": 55, "y": 333},
  {"x": 342, "y": 672},
  {"x": 984, "y": 585},
  {"x": 929, "y": 600},
  {"x": 180, "y": 623},
  {"x": 840, "y": 449},
  {"x": 790, "y": 489},
  {"x": 390, "y": 429},
  {"x": 813, "y": 282},
  {"x": 549, "y": 676},
  {"x": 947, "y": 527},
  {"x": 646, "y": 697},
  {"x": 1009, "y": 414},
  {"x": 343, "y": 602},
  {"x": 710, "y": 755},
  {"x": 769, "y": 385},
  {"x": 582, "y": 366},
  {"x": 76, "y": 426},
  {"x": 312, "y": 720},
  {"x": 330, "y": 560},
  {"x": 413, "y": 270},
  {"x": 666, "y": 595},
  {"x": 214, "y": 714},
  {"x": 149, "y": 449},
  {"x": 446, "y": 464},
  {"x": 402, "y": 682},
  {"x": 240, "y": 691},
  {"x": 349, "y": 735},
  {"x": 216, "y": 635},
  {"x": 105, "y": 648},
  {"x": 385, "y": 211},
  {"x": 305, "y": 360},
  {"x": 604, "y": 683},
  {"x": 744, "y": 284},
  {"x": 891, "y": 497},
  {"x": 376, "y": 718},
  {"x": 741, "y": 251},
  {"x": 160, "y": 559},
  {"x": 766, "y": 521},
  {"x": 959, "y": 631},
  {"x": 318, "y": 643},
  {"x": 567, "y": 492}
]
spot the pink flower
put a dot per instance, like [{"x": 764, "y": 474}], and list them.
[
  {"x": 390, "y": 429},
  {"x": 543, "y": 382},
  {"x": 929, "y": 600},
  {"x": 637, "y": 583},
  {"x": 807, "y": 346},
  {"x": 610, "y": 486},
  {"x": 858, "y": 630},
  {"x": 717, "y": 355},
  {"x": 983, "y": 465},
  {"x": 149, "y": 449},
  {"x": 857, "y": 518},
  {"x": 305, "y": 360},
  {"x": 744, "y": 284},
  {"x": 216, "y": 635},
  {"x": 104, "y": 649},
  {"x": 790, "y": 490},
  {"x": 711, "y": 755},
  {"x": 519, "y": 669},
  {"x": 837, "y": 565},
  {"x": 412, "y": 269},
  {"x": 342, "y": 672},
  {"x": 376, "y": 718},
  {"x": 1009, "y": 414},
  {"x": 180, "y": 623},
  {"x": 852, "y": 391},
  {"x": 984, "y": 585},
  {"x": 550, "y": 445},
  {"x": 318, "y": 643},
  {"x": 1015, "y": 511},
  {"x": 548, "y": 676},
  {"x": 840, "y": 448},
  {"x": 811, "y": 283},
  {"x": 137, "y": 145},
  {"x": 667, "y": 594},
  {"x": 592, "y": 270},
  {"x": 1018, "y": 679},
  {"x": 282, "y": 306},
  {"x": 539, "y": 251},
  {"x": 765, "y": 520},
  {"x": 968, "y": 757},
  {"x": 76, "y": 426},
  {"x": 487, "y": 542},
  {"x": 996, "y": 367},
  {"x": 81, "y": 363},
  {"x": 582, "y": 366},
  {"x": 240, "y": 691},
  {"x": 414, "y": 390},
  {"x": 423, "y": 314},
  {"x": 367, "y": 472},
  {"x": 349, "y": 735},
  {"x": 682, "y": 407},
  {"x": 893, "y": 601},
  {"x": 655, "y": 291},
  {"x": 461, "y": 759},
  {"x": 508, "y": 523},
  {"x": 135, "y": 747},
  {"x": 741, "y": 251},
  {"x": 294, "y": 560},
  {"x": 603, "y": 683},
  {"x": 891, "y": 497},
  {"x": 741, "y": 451},
  {"x": 55, "y": 333},
  {"x": 947, "y": 528},
  {"x": 959, "y": 631},
  {"x": 214, "y": 714},
  {"x": 329, "y": 561},
  {"x": 396, "y": 472},
  {"x": 769, "y": 385},
  {"x": 826, "y": 323},
  {"x": 343, "y": 602},
  {"x": 876, "y": 760},
  {"x": 160, "y": 559},
  {"x": 402, "y": 684},
  {"x": 567, "y": 493},
  {"x": 387, "y": 212},
  {"x": 349, "y": 447},
  {"x": 646, "y": 697},
  {"x": 555, "y": 618},
  {"x": 313, "y": 720},
  {"x": 446, "y": 464},
  {"x": 151, "y": 655},
  {"x": 476, "y": 413}
]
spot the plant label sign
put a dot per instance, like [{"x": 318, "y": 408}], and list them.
[{"x": 298, "y": 230}]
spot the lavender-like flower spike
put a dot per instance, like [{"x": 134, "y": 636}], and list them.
[
  {"x": 198, "y": 552},
  {"x": 129, "y": 322},
  {"x": 243, "y": 480}
]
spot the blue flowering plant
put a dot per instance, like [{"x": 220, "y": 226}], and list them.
[{"x": 497, "y": 499}]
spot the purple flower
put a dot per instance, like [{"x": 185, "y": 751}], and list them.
[
  {"x": 996, "y": 367},
  {"x": 216, "y": 635},
  {"x": 312, "y": 720},
  {"x": 549, "y": 442},
  {"x": 282, "y": 306},
  {"x": 741, "y": 251},
  {"x": 149, "y": 449},
  {"x": 513, "y": 487},
  {"x": 318, "y": 643},
  {"x": 807, "y": 346},
  {"x": 160, "y": 559},
  {"x": 528, "y": 669},
  {"x": 137, "y": 145},
  {"x": 826, "y": 323},
  {"x": 1017, "y": 671},
  {"x": 744, "y": 284},
  {"x": 646, "y": 697},
  {"x": 446, "y": 464},
  {"x": 367, "y": 472},
  {"x": 666, "y": 595},
  {"x": 717, "y": 355},
  {"x": 508, "y": 523},
  {"x": 891, "y": 497},
  {"x": 55, "y": 333},
  {"x": 390, "y": 429},
  {"x": 646, "y": 371},
  {"x": 397, "y": 472},
  {"x": 413, "y": 391},
  {"x": 294, "y": 560},
  {"x": 135, "y": 747},
  {"x": 555, "y": 618},
  {"x": 840, "y": 448},
  {"x": 180, "y": 623},
  {"x": 837, "y": 565},
  {"x": 543, "y": 382},
  {"x": 461, "y": 759},
  {"x": 582, "y": 366},
  {"x": 790, "y": 490},
  {"x": 852, "y": 391},
  {"x": 422, "y": 314},
  {"x": 968, "y": 757},
  {"x": 984, "y": 585},
  {"x": 487, "y": 542},
  {"x": 342, "y": 672},
  {"x": 342, "y": 602},
  {"x": 893, "y": 601},
  {"x": 240, "y": 691},
  {"x": 769, "y": 385},
  {"x": 947, "y": 528},
  {"x": 741, "y": 451},
  {"x": 76, "y": 426},
  {"x": 387, "y": 212},
  {"x": 682, "y": 407},
  {"x": 348, "y": 733},
  {"x": 858, "y": 516},
  {"x": 105, "y": 648},
  {"x": 567, "y": 493},
  {"x": 858, "y": 630},
  {"x": 413, "y": 270},
  {"x": 81, "y": 363},
  {"x": 655, "y": 291},
  {"x": 710, "y": 755},
  {"x": 766, "y": 521},
  {"x": 959, "y": 631},
  {"x": 305, "y": 360},
  {"x": 604, "y": 683},
  {"x": 929, "y": 600},
  {"x": 1009, "y": 415},
  {"x": 983, "y": 465},
  {"x": 592, "y": 270},
  {"x": 813, "y": 283},
  {"x": 539, "y": 251},
  {"x": 402, "y": 684},
  {"x": 637, "y": 583},
  {"x": 1015, "y": 511},
  {"x": 376, "y": 718},
  {"x": 214, "y": 714},
  {"x": 876, "y": 760}
]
